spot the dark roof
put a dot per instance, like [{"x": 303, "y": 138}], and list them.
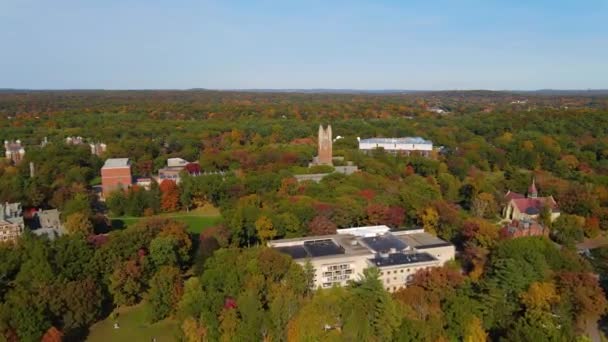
[
  {"x": 401, "y": 259},
  {"x": 312, "y": 248},
  {"x": 384, "y": 243},
  {"x": 317, "y": 248},
  {"x": 296, "y": 252}
]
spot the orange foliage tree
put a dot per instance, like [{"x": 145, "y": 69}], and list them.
[{"x": 169, "y": 200}]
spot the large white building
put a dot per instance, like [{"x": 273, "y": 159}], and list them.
[
  {"x": 339, "y": 258},
  {"x": 397, "y": 145}
]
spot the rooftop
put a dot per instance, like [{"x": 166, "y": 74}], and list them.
[
  {"x": 422, "y": 240},
  {"x": 384, "y": 243},
  {"x": 312, "y": 249},
  {"x": 405, "y": 140},
  {"x": 401, "y": 259},
  {"x": 359, "y": 241},
  {"x": 116, "y": 162}
]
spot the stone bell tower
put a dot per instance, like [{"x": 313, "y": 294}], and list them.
[{"x": 325, "y": 146}]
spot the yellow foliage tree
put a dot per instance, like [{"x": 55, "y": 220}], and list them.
[
  {"x": 265, "y": 229},
  {"x": 474, "y": 331},
  {"x": 79, "y": 223},
  {"x": 540, "y": 296},
  {"x": 430, "y": 219}
]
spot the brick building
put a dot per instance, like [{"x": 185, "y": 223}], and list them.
[{"x": 115, "y": 174}]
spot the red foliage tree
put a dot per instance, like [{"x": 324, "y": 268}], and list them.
[
  {"x": 368, "y": 194},
  {"x": 321, "y": 225},
  {"x": 169, "y": 200},
  {"x": 52, "y": 335}
]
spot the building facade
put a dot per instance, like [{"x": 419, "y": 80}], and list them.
[
  {"x": 517, "y": 228},
  {"x": 115, "y": 174},
  {"x": 11, "y": 222},
  {"x": 340, "y": 258},
  {"x": 14, "y": 151},
  {"x": 404, "y": 146}
]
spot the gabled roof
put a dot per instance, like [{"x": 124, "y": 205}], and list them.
[
  {"x": 513, "y": 195},
  {"x": 532, "y": 206}
]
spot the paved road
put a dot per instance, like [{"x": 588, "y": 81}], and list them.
[{"x": 599, "y": 241}]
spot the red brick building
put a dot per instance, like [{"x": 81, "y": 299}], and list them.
[
  {"x": 115, "y": 174},
  {"x": 519, "y": 228}
]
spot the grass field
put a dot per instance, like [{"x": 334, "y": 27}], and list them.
[
  {"x": 197, "y": 219},
  {"x": 133, "y": 327}
]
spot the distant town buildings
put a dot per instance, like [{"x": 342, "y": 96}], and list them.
[
  {"x": 97, "y": 148},
  {"x": 338, "y": 258},
  {"x": 11, "y": 222},
  {"x": 115, "y": 174},
  {"x": 398, "y": 145},
  {"x": 14, "y": 151},
  {"x": 528, "y": 207},
  {"x": 438, "y": 110}
]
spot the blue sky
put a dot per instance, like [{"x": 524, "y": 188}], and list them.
[{"x": 457, "y": 44}]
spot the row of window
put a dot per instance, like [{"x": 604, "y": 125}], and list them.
[
  {"x": 338, "y": 267},
  {"x": 395, "y": 272},
  {"x": 335, "y": 273}
]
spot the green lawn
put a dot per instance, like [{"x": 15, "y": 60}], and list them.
[
  {"x": 133, "y": 327},
  {"x": 197, "y": 220}
]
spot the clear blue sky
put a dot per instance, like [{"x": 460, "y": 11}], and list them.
[{"x": 457, "y": 44}]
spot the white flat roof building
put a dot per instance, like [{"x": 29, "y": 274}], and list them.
[
  {"x": 342, "y": 257},
  {"x": 397, "y": 145}
]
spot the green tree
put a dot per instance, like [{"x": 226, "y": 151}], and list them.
[{"x": 165, "y": 291}]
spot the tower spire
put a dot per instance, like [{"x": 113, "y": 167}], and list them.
[{"x": 532, "y": 192}]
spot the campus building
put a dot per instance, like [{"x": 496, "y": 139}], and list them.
[
  {"x": 342, "y": 257},
  {"x": 404, "y": 146},
  {"x": 174, "y": 169},
  {"x": 97, "y": 148},
  {"x": 528, "y": 207},
  {"x": 11, "y": 222},
  {"x": 115, "y": 174},
  {"x": 14, "y": 151}
]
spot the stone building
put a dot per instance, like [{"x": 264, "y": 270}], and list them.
[
  {"x": 11, "y": 222},
  {"x": 528, "y": 207},
  {"x": 325, "y": 153},
  {"x": 96, "y": 148},
  {"x": 14, "y": 151}
]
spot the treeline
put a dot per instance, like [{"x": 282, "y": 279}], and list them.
[{"x": 528, "y": 290}]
